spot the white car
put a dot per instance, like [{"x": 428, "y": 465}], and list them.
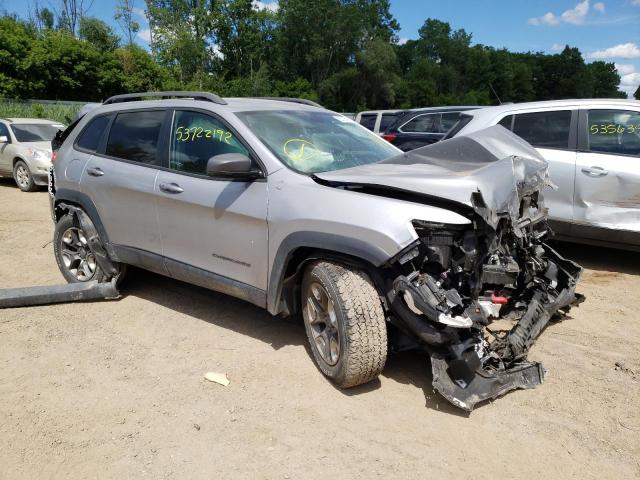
[
  {"x": 25, "y": 150},
  {"x": 593, "y": 151},
  {"x": 378, "y": 120}
]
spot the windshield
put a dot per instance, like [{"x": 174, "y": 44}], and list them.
[
  {"x": 35, "y": 132},
  {"x": 311, "y": 142}
]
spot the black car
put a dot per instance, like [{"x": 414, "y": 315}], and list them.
[{"x": 423, "y": 126}]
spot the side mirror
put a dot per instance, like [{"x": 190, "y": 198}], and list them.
[
  {"x": 234, "y": 165},
  {"x": 4, "y": 139}
]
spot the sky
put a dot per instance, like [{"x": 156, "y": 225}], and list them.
[{"x": 602, "y": 30}]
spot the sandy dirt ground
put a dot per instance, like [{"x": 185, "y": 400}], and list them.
[{"x": 116, "y": 389}]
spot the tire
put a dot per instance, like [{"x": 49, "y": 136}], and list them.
[
  {"x": 70, "y": 249},
  {"x": 23, "y": 177},
  {"x": 357, "y": 326}
]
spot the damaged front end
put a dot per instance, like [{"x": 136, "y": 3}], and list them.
[
  {"x": 456, "y": 287},
  {"x": 456, "y": 284}
]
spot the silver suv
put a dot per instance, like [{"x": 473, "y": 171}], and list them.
[
  {"x": 25, "y": 150},
  {"x": 297, "y": 209}
]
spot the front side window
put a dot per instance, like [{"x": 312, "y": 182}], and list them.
[
  {"x": 312, "y": 141},
  {"x": 196, "y": 137},
  {"x": 91, "y": 135},
  {"x": 422, "y": 124},
  {"x": 4, "y": 131},
  {"x": 368, "y": 120},
  {"x": 35, "y": 132},
  {"x": 614, "y": 131},
  {"x": 134, "y": 136},
  {"x": 544, "y": 129}
]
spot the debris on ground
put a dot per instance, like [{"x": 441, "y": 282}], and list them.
[{"x": 220, "y": 378}]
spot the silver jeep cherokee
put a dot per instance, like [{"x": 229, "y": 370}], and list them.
[{"x": 297, "y": 209}]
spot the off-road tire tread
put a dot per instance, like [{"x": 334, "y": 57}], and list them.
[{"x": 366, "y": 343}]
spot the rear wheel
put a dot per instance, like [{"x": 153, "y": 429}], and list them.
[
  {"x": 345, "y": 323},
  {"x": 23, "y": 178}
]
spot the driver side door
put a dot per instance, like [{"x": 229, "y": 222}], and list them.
[
  {"x": 5, "y": 150},
  {"x": 213, "y": 230}
]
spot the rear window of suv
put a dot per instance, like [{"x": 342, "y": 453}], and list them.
[
  {"x": 544, "y": 129},
  {"x": 134, "y": 136},
  {"x": 91, "y": 135}
]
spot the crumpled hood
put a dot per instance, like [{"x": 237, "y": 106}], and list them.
[{"x": 489, "y": 170}]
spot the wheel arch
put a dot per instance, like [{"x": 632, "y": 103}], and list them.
[
  {"x": 65, "y": 198},
  {"x": 301, "y": 248}
]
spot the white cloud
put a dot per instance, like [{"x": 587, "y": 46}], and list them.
[
  {"x": 629, "y": 83},
  {"x": 599, "y": 7},
  {"x": 402, "y": 41},
  {"x": 625, "y": 68},
  {"x": 546, "y": 19},
  {"x": 623, "y": 50},
  {"x": 575, "y": 16},
  {"x": 557, "y": 47},
  {"x": 271, "y": 6},
  {"x": 635, "y": 2},
  {"x": 145, "y": 34}
]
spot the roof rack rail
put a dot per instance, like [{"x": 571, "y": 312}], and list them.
[
  {"x": 132, "y": 97},
  {"x": 303, "y": 101}
]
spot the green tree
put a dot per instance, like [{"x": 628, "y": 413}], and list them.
[
  {"x": 605, "y": 80},
  {"x": 16, "y": 41},
  {"x": 184, "y": 37},
  {"x": 123, "y": 14},
  {"x": 99, "y": 34},
  {"x": 637, "y": 94},
  {"x": 244, "y": 38}
]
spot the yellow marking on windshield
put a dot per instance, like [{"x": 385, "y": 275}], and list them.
[{"x": 298, "y": 149}]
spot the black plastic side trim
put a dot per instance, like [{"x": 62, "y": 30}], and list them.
[
  {"x": 318, "y": 240},
  {"x": 83, "y": 201},
  {"x": 190, "y": 274}
]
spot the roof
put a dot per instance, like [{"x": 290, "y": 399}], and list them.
[
  {"x": 512, "y": 107},
  {"x": 32, "y": 121},
  {"x": 454, "y": 108}
]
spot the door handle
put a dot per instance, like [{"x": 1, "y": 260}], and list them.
[
  {"x": 595, "y": 171},
  {"x": 171, "y": 188},
  {"x": 95, "y": 172}
]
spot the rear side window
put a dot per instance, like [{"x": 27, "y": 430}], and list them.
[
  {"x": 614, "y": 131},
  {"x": 387, "y": 120},
  {"x": 422, "y": 124},
  {"x": 196, "y": 138},
  {"x": 134, "y": 136},
  {"x": 368, "y": 120},
  {"x": 448, "y": 120},
  {"x": 91, "y": 135},
  {"x": 544, "y": 129},
  {"x": 506, "y": 122}
]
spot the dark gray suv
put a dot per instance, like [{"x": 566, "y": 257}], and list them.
[{"x": 297, "y": 209}]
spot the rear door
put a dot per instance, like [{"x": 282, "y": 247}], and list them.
[
  {"x": 120, "y": 178},
  {"x": 553, "y": 133},
  {"x": 607, "y": 194},
  {"x": 208, "y": 224}
]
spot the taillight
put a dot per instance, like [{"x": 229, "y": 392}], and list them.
[
  {"x": 54, "y": 156},
  {"x": 389, "y": 137}
]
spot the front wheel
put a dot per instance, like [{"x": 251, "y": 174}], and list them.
[
  {"x": 23, "y": 178},
  {"x": 345, "y": 323}
]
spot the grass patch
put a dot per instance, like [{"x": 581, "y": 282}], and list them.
[{"x": 59, "y": 112}]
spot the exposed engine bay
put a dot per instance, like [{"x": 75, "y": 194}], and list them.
[{"x": 475, "y": 296}]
